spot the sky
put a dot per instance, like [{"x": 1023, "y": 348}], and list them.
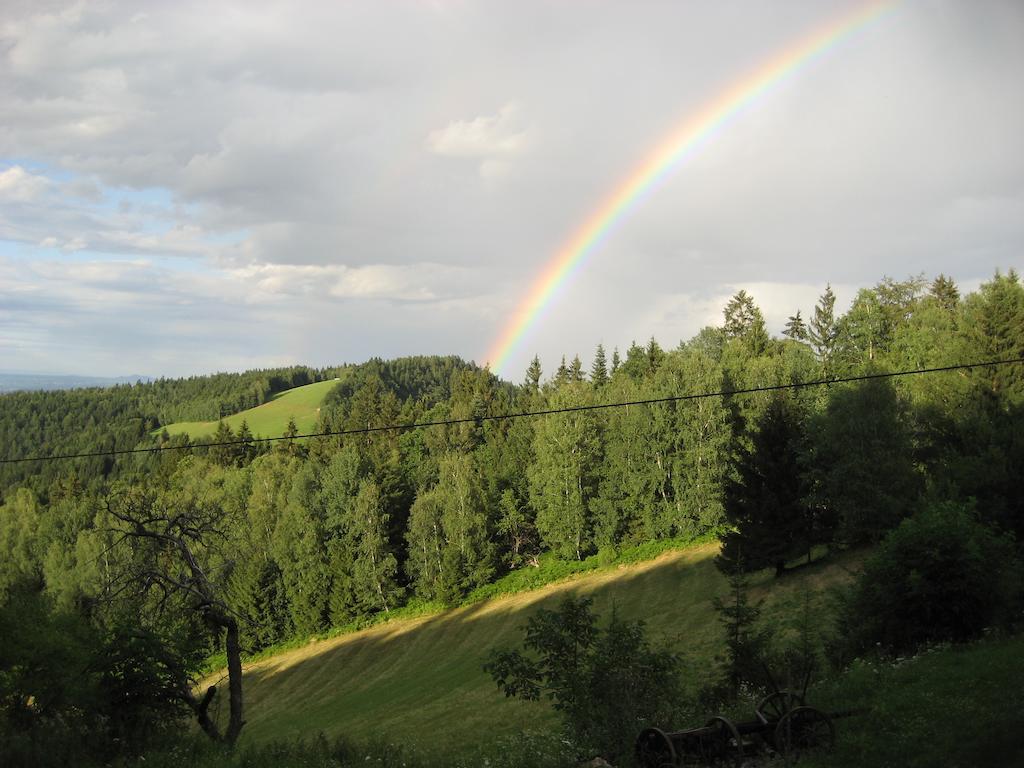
[{"x": 193, "y": 187}]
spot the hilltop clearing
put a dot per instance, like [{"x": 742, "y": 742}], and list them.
[{"x": 270, "y": 419}]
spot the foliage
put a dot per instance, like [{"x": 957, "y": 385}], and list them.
[
  {"x": 607, "y": 684},
  {"x": 862, "y": 473},
  {"x": 70, "y": 692},
  {"x": 940, "y": 575},
  {"x": 746, "y": 643},
  {"x": 764, "y": 500},
  {"x": 952, "y": 706},
  {"x": 325, "y": 535}
]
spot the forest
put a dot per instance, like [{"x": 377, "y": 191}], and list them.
[{"x": 137, "y": 568}]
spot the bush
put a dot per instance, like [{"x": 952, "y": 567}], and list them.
[{"x": 940, "y": 575}]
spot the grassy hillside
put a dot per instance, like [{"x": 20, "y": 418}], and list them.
[
  {"x": 959, "y": 707},
  {"x": 271, "y": 418},
  {"x": 419, "y": 681}
]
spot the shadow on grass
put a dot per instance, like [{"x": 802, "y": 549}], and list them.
[{"x": 420, "y": 682}]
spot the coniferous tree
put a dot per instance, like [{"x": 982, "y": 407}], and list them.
[
  {"x": 246, "y": 451},
  {"x": 599, "y": 369},
  {"x": 764, "y": 502},
  {"x": 562, "y": 374},
  {"x": 616, "y": 361},
  {"x": 822, "y": 331},
  {"x": 796, "y": 328},
  {"x": 655, "y": 354},
  {"x": 944, "y": 290},
  {"x": 861, "y": 462},
  {"x": 745, "y": 643},
  {"x": 299, "y": 549},
  {"x": 257, "y": 595},
  {"x": 222, "y": 451},
  {"x": 533, "y": 374},
  {"x": 576, "y": 369},
  {"x": 743, "y": 320}
]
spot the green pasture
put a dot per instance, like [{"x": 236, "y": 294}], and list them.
[
  {"x": 419, "y": 682},
  {"x": 271, "y": 418},
  {"x": 958, "y": 707}
]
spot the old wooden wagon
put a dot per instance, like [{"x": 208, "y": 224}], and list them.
[{"x": 783, "y": 725}]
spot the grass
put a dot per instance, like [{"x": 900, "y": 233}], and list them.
[
  {"x": 418, "y": 681},
  {"x": 958, "y": 707},
  {"x": 955, "y": 706},
  {"x": 269, "y": 419}
]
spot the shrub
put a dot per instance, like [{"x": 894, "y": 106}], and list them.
[
  {"x": 940, "y": 575},
  {"x": 607, "y": 684}
]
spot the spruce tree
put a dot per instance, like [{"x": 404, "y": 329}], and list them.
[
  {"x": 562, "y": 374},
  {"x": 796, "y": 328},
  {"x": 862, "y": 462},
  {"x": 222, "y": 451},
  {"x": 616, "y": 361},
  {"x": 533, "y": 374},
  {"x": 576, "y": 369},
  {"x": 246, "y": 451},
  {"x": 764, "y": 501},
  {"x": 655, "y": 355},
  {"x": 944, "y": 290},
  {"x": 822, "y": 331},
  {"x": 599, "y": 369},
  {"x": 745, "y": 643},
  {"x": 744, "y": 321}
]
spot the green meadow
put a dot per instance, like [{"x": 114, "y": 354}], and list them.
[
  {"x": 418, "y": 682},
  {"x": 271, "y": 418}
]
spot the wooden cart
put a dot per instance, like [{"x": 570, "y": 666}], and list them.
[{"x": 783, "y": 725}]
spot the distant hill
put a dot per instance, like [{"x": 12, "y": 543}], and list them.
[
  {"x": 271, "y": 418},
  {"x": 34, "y": 382},
  {"x": 43, "y": 415}
]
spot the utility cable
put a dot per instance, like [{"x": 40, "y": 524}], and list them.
[{"x": 524, "y": 414}]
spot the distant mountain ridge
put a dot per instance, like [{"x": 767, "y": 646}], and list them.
[{"x": 29, "y": 382}]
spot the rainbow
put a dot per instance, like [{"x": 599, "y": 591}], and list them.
[{"x": 694, "y": 133}]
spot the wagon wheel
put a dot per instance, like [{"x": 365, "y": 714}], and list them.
[
  {"x": 723, "y": 744},
  {"x": 775, "y": 705},
  {"x": 804, "y": 729},
  {"x": 654, "y": 749}
]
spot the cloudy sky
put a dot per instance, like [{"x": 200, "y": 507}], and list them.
[{"x": 192, "y": 186}]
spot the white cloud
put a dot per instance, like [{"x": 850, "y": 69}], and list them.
[
  {"x": 21, "y": 186},
  {"x": 423, "y": 282},
  {"x": 482, "y": 137}
]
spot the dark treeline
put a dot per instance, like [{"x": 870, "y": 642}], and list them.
[{"x": 306, "y": 535}]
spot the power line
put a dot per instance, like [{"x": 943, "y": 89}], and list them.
[{"x": 524, "y": 414}]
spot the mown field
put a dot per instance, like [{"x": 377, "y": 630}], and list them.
[
  {"x": 271, "y": 418},
  {"x": 419, "y": 682}
]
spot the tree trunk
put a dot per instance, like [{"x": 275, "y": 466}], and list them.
[{"x": 234, "y": 653}]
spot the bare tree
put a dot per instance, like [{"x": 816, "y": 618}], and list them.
[{"x": 171, "y": 542}]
